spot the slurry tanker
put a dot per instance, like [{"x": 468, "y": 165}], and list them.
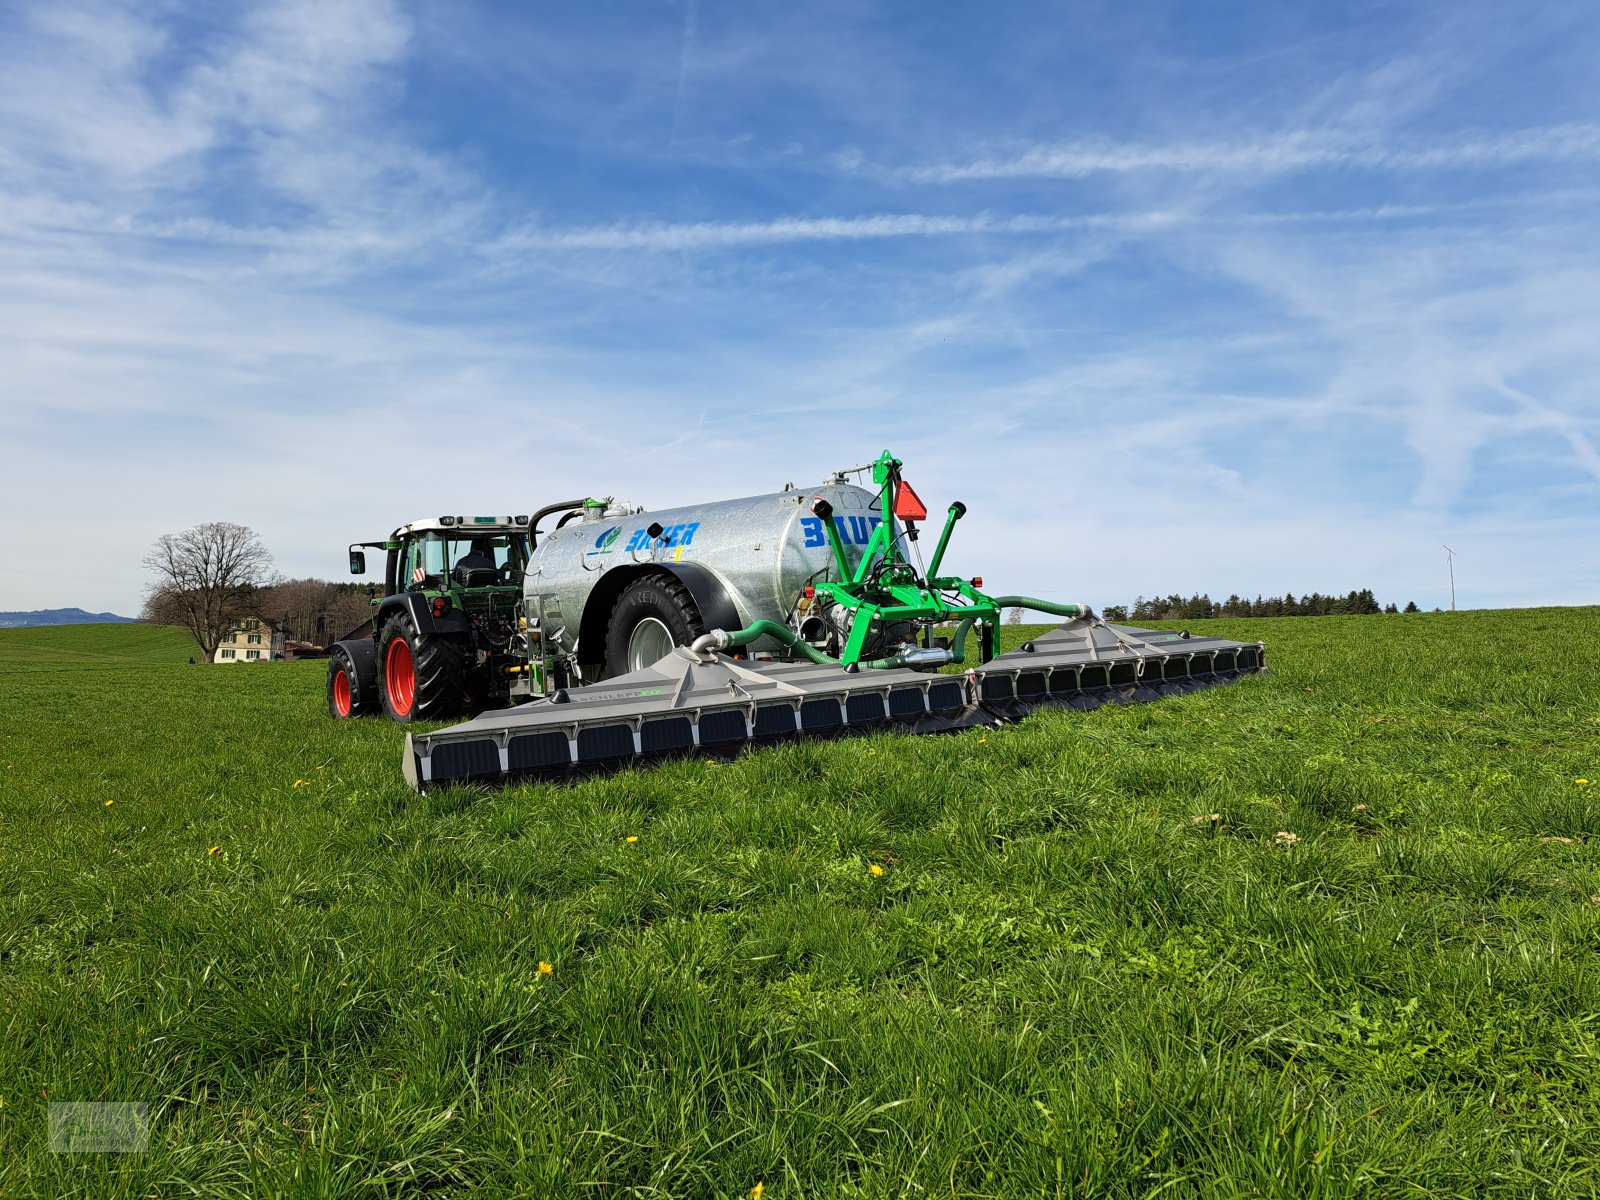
[{"x": 622, "y": 635}]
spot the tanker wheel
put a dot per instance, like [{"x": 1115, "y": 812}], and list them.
[
  {"x": 421, "y": 677},
  {"x": 352, "y": 691},
  {"x": 652, "y": 615}
]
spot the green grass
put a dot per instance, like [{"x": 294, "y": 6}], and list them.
[
  {"x": 1069, "y": 980},
  {"x": 52, "y": 646}
]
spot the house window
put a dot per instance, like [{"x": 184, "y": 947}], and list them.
[
  {"x": 252, "y": 623},
  {"x": 252, "y": 655},
  {"x": 254, "y": 639},
  {"x": 227, "y": 654}
]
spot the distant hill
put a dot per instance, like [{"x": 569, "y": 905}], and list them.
[
  {"x": 93, "y": 645},
  {"x": 59, "y": 616}
]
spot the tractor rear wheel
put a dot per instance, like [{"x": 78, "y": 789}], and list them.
[
  {"x": 352, "y": 686},
  {"x": 422, "y": 677},
  {"x": 652, "y": 615}
]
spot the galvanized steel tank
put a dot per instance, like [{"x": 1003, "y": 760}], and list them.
[{"x": 763, "y": 550}]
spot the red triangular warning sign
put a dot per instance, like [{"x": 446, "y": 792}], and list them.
[{"x": 908, "y": 506}]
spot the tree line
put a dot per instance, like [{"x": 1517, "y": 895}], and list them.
[
  {"x": 1359, "y": 602},
  {"x": 211, "y": 577}
]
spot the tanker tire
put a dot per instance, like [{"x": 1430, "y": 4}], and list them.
[
  {"x": 349, "y": 694},
  {"x": 663, "y": 598},
  {"x": 437, "y": 671}
]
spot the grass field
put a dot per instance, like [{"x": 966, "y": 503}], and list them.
[{"x": 1331, "y": 932}]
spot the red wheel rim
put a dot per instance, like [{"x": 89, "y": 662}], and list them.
[
  {"x": 341, "y": 692},
  {"x": 400, "y": 677}
]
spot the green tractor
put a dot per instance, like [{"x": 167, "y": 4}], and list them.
[{"x": 445, "y": 636}]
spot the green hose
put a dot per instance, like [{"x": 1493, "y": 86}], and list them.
[
  {"x": 958, "y": 640},
  {"x": 1046, "y": 606},
  {"x": 759, "y": 629}
]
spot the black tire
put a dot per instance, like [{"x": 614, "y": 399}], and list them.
[
  {"x": 661, "y": 598},
  {"x": 352, "y": 684},
  {"x": 438, "y": 672}
]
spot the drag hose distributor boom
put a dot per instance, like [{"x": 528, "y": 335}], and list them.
[{"x": 854, "y": 628}]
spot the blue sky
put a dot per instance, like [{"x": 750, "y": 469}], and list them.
[{"x": 1177, "y": 297}]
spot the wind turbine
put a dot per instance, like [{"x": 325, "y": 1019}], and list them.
[{"x": 1450, "y": 560}]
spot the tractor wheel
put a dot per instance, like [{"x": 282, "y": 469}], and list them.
[
  {"x": 421, "y": 677},
  {"x": 652, "y": 615},
  {"x": 352, "y": 685}
]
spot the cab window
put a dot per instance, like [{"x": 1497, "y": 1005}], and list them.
[{"x": 424, "y": 562}]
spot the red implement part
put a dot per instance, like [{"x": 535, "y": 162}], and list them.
[{"x": 908, "y": 506}]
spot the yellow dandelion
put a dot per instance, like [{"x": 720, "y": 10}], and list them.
[
  {"x": 545, "y": 968},
  {"x": 875, "y": 871},
  {"x": 631, "y": 838},
  {"x": 981, "y": 741},
  {"x": 758, "y": 1191},
  {"x": 1581, "y": 782},
  {"x": 109, "y": 803},
  {"x": 212, "y": 851}
]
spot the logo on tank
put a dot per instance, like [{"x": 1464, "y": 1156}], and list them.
[{"x": 606, "y": 542}]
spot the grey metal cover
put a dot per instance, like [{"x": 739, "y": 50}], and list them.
[
  {"x": 688, "y": 704},
  {"x": 683, "y": 704},
  {"x": 1085, "y": 663}
]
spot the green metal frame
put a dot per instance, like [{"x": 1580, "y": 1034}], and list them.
[{"x": 885, "y": 587}]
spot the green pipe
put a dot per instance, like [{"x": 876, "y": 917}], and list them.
[
  {"x": 957, "y": 511},
  {"x": 958, "y": 642},
  {"x": 824, "y": 510},
  {"x": 1046, "y": 606},
  {"x": 782, "y": 633}
]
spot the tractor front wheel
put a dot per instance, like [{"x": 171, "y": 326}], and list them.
[
  {"x": 652, "y": 615},
  {"x": 352, "y": 684},
  {"x": 421, "y": 677}
]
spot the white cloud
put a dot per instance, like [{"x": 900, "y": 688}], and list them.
[{"x": 1278, "y": 154}]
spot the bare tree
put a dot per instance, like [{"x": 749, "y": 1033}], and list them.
[
  {"x": 297, "y": 604},
  {"x": 314, "y": 610},
  {"x": 206, "y": 578}
]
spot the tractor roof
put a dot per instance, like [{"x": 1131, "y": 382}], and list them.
[{"x": 468, "y": 525}]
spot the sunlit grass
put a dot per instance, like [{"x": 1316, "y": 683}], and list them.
[{"x": 1075, "y": 956}]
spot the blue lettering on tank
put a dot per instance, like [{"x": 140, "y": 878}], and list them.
[
  {"x": 853, "y": 531},
  {"x": 673, "y": 535}
]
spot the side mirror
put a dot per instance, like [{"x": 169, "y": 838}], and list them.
[{"x": 358, "y": 562}]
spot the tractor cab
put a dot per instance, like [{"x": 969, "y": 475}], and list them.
[
  {"x": 474, "y": 560},
  {"x": 458, "y": 559}
]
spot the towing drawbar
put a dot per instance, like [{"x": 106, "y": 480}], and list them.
[{"x": 699, "y": 701}]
